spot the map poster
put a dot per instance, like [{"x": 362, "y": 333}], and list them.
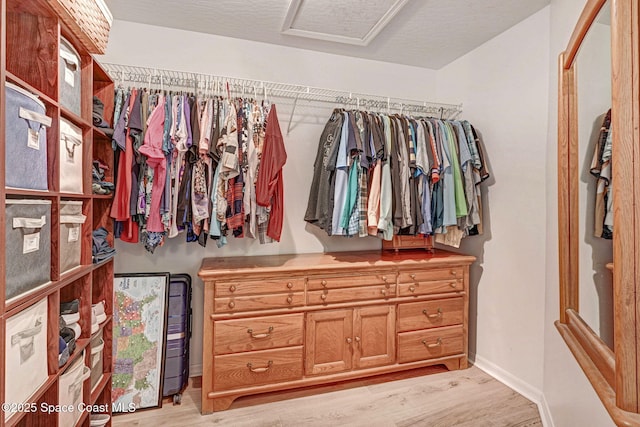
[{"x": 139, "y": 331}]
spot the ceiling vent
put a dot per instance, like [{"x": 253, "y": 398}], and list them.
[{"x": 354, "y": 22}]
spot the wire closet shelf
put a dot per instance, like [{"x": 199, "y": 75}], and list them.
[{"x": 163, "y": 79}]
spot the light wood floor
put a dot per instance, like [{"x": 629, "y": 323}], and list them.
[{"x": 468, "y": 398}]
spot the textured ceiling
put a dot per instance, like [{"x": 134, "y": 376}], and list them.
[{"x": 424, "y": 33}]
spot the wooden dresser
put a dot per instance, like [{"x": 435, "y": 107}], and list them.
[{"x": 286, "y": 321}]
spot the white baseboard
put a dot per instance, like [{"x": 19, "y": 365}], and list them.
[
  {"x": 522, "y": 387},
  {"x": 195, "y": 370}
]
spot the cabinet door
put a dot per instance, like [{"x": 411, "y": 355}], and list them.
[
  {"x": 374, "y": 336},
  {"x": 329, "y": 337}
]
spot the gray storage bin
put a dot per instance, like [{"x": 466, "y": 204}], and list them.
[
  {"x": 26, "y": 139},
  {"x": 70, "y": 81},
  {"x": 28, "y": 245},
  {"x": 71, "y": 220},
  {"x": 97, "y": 351}
]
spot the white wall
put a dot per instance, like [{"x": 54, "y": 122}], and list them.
[
  {"x": 568, "y": 395},
  {"x": 503, "y": 86},
  {"x": 144, "y": 45}
]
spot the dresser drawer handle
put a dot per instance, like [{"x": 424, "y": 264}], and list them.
[
  {"x": 438, "y": 343},
  {"x": 412, "y": 288},
  {"x": 323, "y": 283},
  {"x": 454, "y": 273},
  {"x": 453, "y": 284},
  {"x": 384, "y": 279},
  {"x": 259, "y": 336},
  {"x": 433, "y": 315},
  {"x": 232, "y": 304},
  {"x": 260, "y": 370},
  {"x": 289, "y": 300},
  {"x": 413, "y": 276},
  {"x": 289, "y": 285},
  {"x": 384, "y": 292},
  {"x": 232, "y": 288},
  {"x": 323, "y": 297}
]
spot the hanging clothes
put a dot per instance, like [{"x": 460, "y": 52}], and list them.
[{"x": 382, "y": 175}]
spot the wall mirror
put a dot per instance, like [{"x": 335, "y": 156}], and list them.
[{"x": 599, "y": 202}]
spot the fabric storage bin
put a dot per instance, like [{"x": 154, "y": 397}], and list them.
[
  {"x": 70, "y": 391},
  {"x": 70, "y": 157},
  {"x": 71, "y": 220},
  {"x": 97, "y": 347},
  {"x": 28, "y": 245},
  {"x": 69, "y": 76},
  {"x": 25, "y": 353},
  {"x": 26, "y": 139}
]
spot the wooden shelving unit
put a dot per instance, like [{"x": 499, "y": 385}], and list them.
[{"x": 30, "y": 32}]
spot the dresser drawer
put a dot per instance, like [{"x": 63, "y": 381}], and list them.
[
  {"x": 432, "y": 287},
  {"x": 233, "y": 371},
  {"x": 331, "y": 282},
  {"x": 258, "y": 302},
  {"x": 253, "y": 287},
  {"x": 351, "y": 294},
  {"x": 429, "y": 275},
  {"x": 430, "y": 314},
  {"x": 257, "y": 333},
  {"x": 430, "y": 343}
]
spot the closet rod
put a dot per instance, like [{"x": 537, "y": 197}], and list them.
[{"x": 162, "y": 78}]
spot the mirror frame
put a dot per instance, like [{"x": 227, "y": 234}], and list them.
[{"x": 613, "y": 373}]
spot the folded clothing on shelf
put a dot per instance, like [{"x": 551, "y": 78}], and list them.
[
  {"x": 98, "y": 117},
  {"x": 99, "y": 185},
  {"x": 101, "y": 250}
]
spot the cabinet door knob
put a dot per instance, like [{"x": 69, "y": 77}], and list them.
[
  {"x": 323, "y": 297},
  {"x": 262, "y": 335},
  {"x": 432, "y": 315},
  {"x": 357, "y": 339},
  {"x": 289, "y": 300},
  {"x": 349, "y": 340},
  {"x": 232, "y": 304},
  {"x": 438, "y": 343},
  {"x": 412, "y": 288},
  {"x": 289, "y": 285},
  {"x": 260, "y": 370},
  {"x": 323, "y": 283},
  {"x": 232, "y": 288}
]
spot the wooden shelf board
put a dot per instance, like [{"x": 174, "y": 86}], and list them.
[
  {"x": 17, "y": 80},
  {"x": 21, "y": 302},
  {"x": 103, "y": 196},
  {"x": 71, "y": 276},
  {"x": 79, "y": 121},
  {"x": 23, "y": 192},
  {"x": 98, "y": 132},
  {"x": 97, "y": 391},
  {"x": 70, "y": 196},
  {"x": 102, "y": 264}
]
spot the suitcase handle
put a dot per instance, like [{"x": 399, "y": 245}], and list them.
[{"x": 29, "y": 222}]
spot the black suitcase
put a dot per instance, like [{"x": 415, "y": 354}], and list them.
[{"x": 176, "y": 367}]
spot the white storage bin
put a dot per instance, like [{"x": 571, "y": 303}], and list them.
[
  {"x": 71, "y": 220},
  {"x": 26, "y": 139},
  {"x": 70, "y": 157},
  {"x": 70, "y": 391},
  {"x": 70, "y": 78},
  {"x": 28, "y": 245},
  {"x": 97, "y": 347},
  {"x": 25, "y": 353}
]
